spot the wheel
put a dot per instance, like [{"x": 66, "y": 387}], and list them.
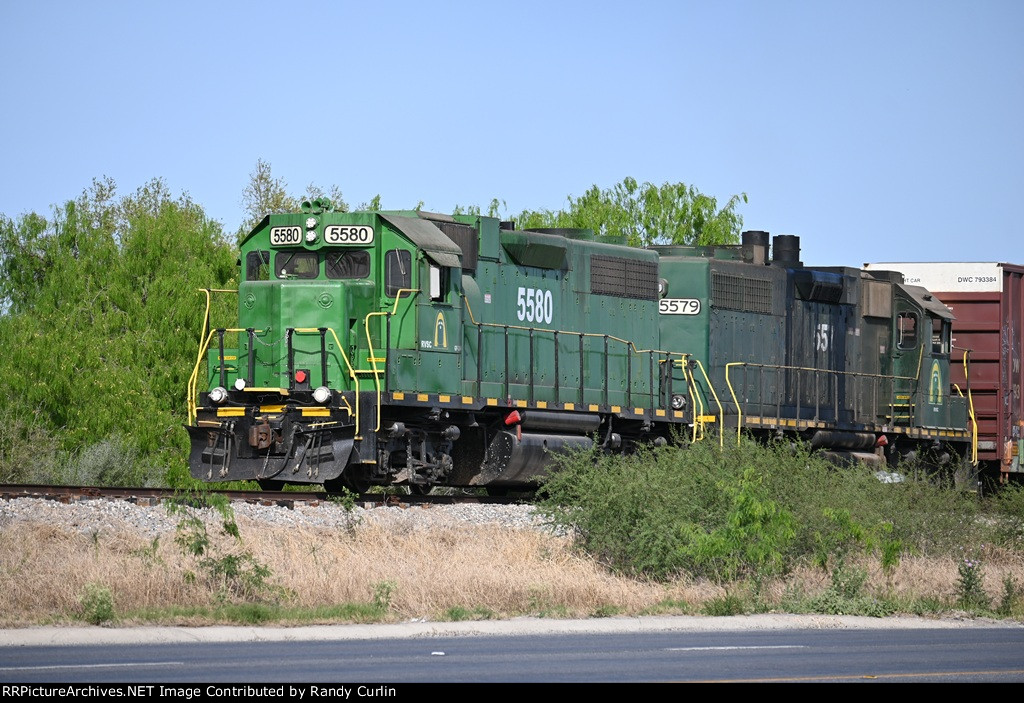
[
  {"x": 354, "y": 478},
  {"x": 420, "y": 489},
  {"x": 267, "y": 484}
]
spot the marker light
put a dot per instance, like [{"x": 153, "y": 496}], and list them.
[
  {"x": 240, "y": 384},
  {"x": 678, "y": 402},
  {"x": 300, "y": 377},
  {"x": 310, "y": 222}
]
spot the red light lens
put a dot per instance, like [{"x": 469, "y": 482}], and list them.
[{"x": 300, "y": 376}]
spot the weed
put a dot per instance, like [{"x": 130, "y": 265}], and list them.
[
  {"x": 382, "y": 595},
  {"x": 606, "y": 611},
  {"x": 668, "y": 606},
  {"x": 149, "y": 554},
  {"x": 970, "y": 585},
  {"x": 459, "y": 614},
  {"x": 729, "y": 604},
  {"x": 235, "y": 575},
  {"x": 1011, "y": 593},
  {"x": 346, "y": 500},
  {"x": 97, "y": 604}
]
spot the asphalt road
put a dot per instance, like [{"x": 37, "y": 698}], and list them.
[{"x": 620, "y": 650}]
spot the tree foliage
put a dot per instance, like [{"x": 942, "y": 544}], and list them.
[
  {"x": 102, "y": 315},
  {"x": 265, "y": 194},
  {"x": 643, "y": 213}
]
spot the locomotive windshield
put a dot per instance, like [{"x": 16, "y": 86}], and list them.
[
  {"x": 296, "y": 264},
  {"x": 348, "y": 264}
]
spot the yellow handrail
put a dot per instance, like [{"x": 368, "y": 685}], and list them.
[
  {"x": 695, "y": 400},
  {"x": 387, "y": 345},
  {"x": 735, "y": 400},
  {"x": 348, "y": 365},
  {"x": 628, "y": 343},
  {"x": 193, "y": 379},
  {"x": 721, "y": 411},
  {"x": 855, "y": 374},
  {"x": 970, "y": 407},
  {"x": 190, "y": 401}
]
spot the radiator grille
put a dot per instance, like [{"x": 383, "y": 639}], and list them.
[
  {"x": 740, "y": 293},
  {"x": 624, "y": 278}
]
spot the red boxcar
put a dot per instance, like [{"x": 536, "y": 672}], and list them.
[{"x": 988, "y": 302}]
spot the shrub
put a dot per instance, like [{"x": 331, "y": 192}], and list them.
[
  {"x": 747, "y": 511},
  {"x": 97, "y": 604}
]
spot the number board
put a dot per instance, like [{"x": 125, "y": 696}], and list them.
[
  {"x": 348, "y": 234},
  {"x": 285, "y": 236},
  {"x": 679, "y": 306}
]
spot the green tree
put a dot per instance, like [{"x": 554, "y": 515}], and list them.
[
  {"x": 102, "y": 317},
  {"x": 643, "y": 213},
  {"x": 264, "y": 194}
]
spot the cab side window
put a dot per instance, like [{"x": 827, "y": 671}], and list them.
[
  {"x": 940, "y": 336},
  {"x": 397, "y": 271},
  {"x": 438, "y": 283},
  {"x": 906, "y": 328},
  {"x": 257, "y": 266}
]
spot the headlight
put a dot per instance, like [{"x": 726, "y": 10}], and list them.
[
  {"x": 322, "y": 394},
  {"x": 240, "y": 384},
  {"x": 218, "y": 395},
  {"x": 311, "y": 223},
  {"x": 678, "y": 402}
]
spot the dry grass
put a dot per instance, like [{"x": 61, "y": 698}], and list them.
[{"x": 489, "y": 571}]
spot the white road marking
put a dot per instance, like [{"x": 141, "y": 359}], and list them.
[
  {"x": 753, "y": 647},
  {"x": 87, "y": 666}
]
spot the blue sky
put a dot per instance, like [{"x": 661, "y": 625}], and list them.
[{"x": 874, "y": 130}]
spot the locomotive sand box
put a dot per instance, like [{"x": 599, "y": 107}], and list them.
[{"x": 420, "y": 349}]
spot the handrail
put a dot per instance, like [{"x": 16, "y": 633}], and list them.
[
  {"x": 721, "y": 411},
  {"x": 208, "y": 332},
  {"x": 781, "y": 367},
  {"x": 348, "y": 365},
  {"x": 695, "y": 399},
  {"x": 970, "y": 409},
  {"x": 193, "y": 379},
  {"x": 473, "y": 321},
  {"x": 735, "y": 400},
  {"x": 190, "y": 402},
  {"x": 386, "y": 343},
  {"x": 581, "y": 335}
]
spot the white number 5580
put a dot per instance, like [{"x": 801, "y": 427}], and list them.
[{"x": 535, "y": 305}]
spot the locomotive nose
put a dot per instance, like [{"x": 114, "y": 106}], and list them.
[{"x": 308, "y": 332}]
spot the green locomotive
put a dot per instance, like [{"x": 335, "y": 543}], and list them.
[{"x": 419, "y": 349}]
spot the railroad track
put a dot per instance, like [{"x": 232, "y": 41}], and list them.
[{"x": 287, "y": 499}]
